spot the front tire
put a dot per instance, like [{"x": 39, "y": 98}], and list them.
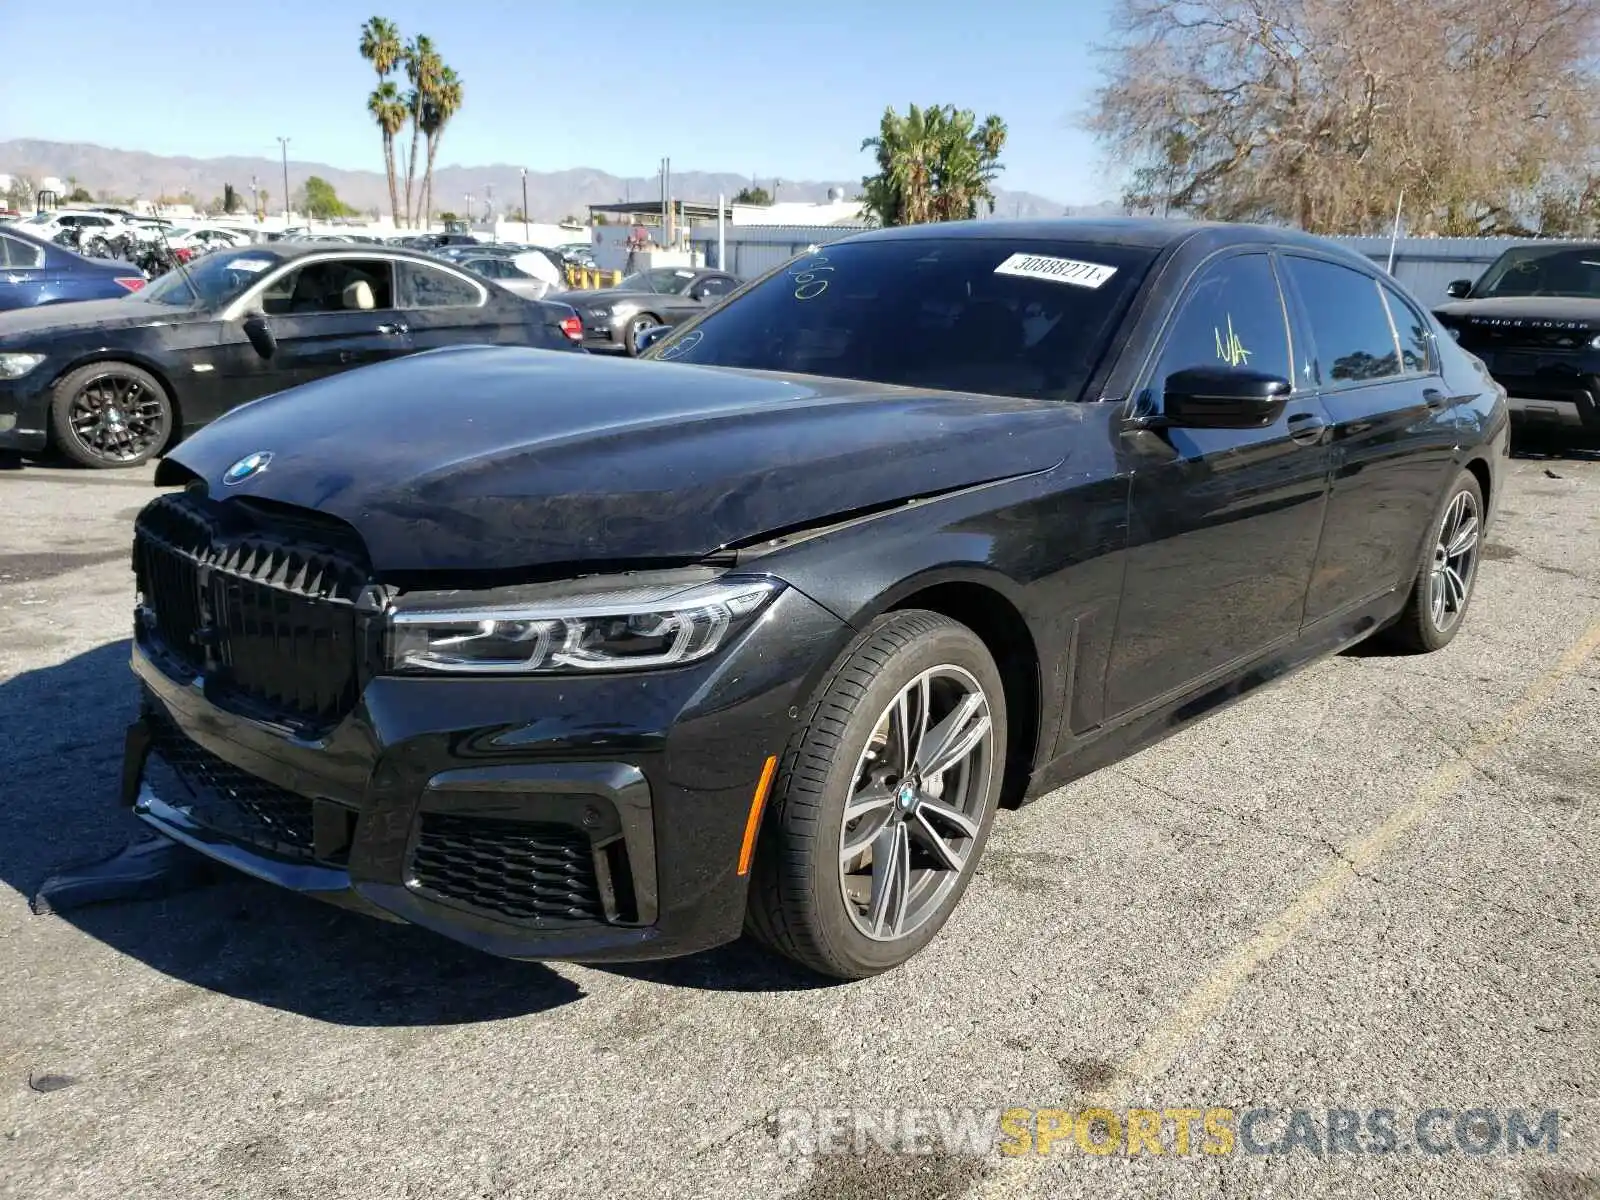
[
  {"x": 110, "y": 414},
  {"x": 1447, "y": 574},
  {"x": 884, "y": 800}
]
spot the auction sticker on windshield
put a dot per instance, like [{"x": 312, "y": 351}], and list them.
[
  {"x": 250, "y": 264},
  {"x": 1057, "y": 270}
]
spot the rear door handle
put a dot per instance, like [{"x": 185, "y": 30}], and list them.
[
  {"x": 393, "y": 329},
  {"x": 1307, "y": 428},
  {"x": 1433, "y": 397}
]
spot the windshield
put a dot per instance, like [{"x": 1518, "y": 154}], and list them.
[
  {"x": 1543, "y": 271},
  {"x": 216, "y": 279},
  {"x": 664, "y": 282},
  {"x": 956, "y": 314}
]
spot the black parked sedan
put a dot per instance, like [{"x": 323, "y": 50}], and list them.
[
  {"x": 110, "y": 383},
  {"x": 760, "y": 631},
  {"x": 613, "y": 318}
]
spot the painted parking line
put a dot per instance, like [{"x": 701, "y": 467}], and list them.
[{"x": 1167, "y": 1039}]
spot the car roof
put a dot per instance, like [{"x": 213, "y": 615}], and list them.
[
  {"x": 1151, "y": 233},
  {"x": 288, "y": 249}
]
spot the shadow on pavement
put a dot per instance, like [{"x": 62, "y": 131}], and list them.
[{"x": 239, "y": 937}]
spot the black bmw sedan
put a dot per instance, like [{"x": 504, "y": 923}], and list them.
[
  {"x": 761, "y": 631},
  {"x": 110, "y": 383}
]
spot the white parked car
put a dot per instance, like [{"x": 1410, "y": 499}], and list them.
[
  {"x": 205, "y": 237},
  {"x": 532, "y": 275}
]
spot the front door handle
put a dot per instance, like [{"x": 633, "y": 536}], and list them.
[
  {"x": 1433, "y": 397},
  {"x": 393, "y": 329},
  {"x": 1307, "y": 428}
]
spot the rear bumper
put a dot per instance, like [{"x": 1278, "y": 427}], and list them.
[
  {"x": 1553, "y": 399},
  {"x": 1578, "y": 411}
]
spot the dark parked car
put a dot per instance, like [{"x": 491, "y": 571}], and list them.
[
  {"x": 763, "y": 629},
  {"x": 35, "y": 272},
  {"x": 613, "y": 318},
  {"x": 1534, "y": 320},
  {"x": 113, "y": 382}
]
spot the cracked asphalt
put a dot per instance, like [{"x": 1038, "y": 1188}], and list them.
[{"x": 1372, "y": 886}]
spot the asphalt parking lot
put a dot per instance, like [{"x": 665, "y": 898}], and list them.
[{"x": 1373, "y": 886}]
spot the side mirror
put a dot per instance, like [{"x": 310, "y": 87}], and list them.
[
  {"x": 259, "y": 331},
  {"x": 1224, "y": 398},
  {"x": 652, "y": 334},
  {"x": 1459, "y": 289}
]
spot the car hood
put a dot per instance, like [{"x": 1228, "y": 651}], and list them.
[
  {"x": 23, "y": 323},
  {"x": 1577, "y": 312},
  {"x": 500, "y": 458}
]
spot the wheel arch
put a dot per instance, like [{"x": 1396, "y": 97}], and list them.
[
  {"x": 1479, "y": 468},
  {"x": 986, "y": 604}
]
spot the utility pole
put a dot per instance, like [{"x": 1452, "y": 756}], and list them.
[
  {"x": 524, "y": 205},
  {"x": 283, "y": 145},
  {"x": 666, "y": 171}
]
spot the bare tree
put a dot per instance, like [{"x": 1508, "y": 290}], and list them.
[{"x": 1319, "y": 113}]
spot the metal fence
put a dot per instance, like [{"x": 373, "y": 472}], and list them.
[
  {"x": 1425, "y": 265},
  {"x": 756, "y": 249}
]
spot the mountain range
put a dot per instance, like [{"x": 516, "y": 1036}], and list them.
[{"x": 552, "y": 195}]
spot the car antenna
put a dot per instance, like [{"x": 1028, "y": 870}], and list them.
[{"x": 183, "y": 267}]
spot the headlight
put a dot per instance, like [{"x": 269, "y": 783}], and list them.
[
  {"x": 15, "y": 366},
  {"x": 1594, "y": 343},
  {"x": 623, "y": 629}
]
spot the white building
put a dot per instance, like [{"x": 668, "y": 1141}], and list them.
[{"x": 797, "y": 212}]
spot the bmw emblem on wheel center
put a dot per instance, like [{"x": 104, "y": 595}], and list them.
[{"x": 247, "y": 467}]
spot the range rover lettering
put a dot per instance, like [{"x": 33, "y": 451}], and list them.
[{"x": 622, "y": 658}]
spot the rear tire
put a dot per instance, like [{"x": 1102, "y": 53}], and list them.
[
  {"x": 635, "y": 327},
  {"x": 1446, "y": 575},
  {"x": 809, "y": 899}
]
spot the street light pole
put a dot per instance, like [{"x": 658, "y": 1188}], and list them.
[
  {"x": 524, "y": 205},
  {"x": 283, "y": 144}
]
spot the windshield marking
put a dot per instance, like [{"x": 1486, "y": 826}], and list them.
[{"x": 804, "y": 275}]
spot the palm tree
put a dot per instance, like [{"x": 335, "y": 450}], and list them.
[
  {"x": 380, "y": 46},
  {"x": 437, "y": 110},
  {"x": 388, "y": 109},
  {"x": 934, "y": 164},
  {"x": 422, "y": 69}
]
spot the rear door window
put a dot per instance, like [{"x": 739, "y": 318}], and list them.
[{"x": 1349, "y": 321}]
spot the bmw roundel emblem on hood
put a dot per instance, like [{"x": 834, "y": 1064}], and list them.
[{"x": 247, "y": 467}]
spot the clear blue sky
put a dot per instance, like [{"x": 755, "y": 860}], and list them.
[{"x": 764, "y": 88}]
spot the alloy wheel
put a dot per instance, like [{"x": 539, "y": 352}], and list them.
[
  {"x": 116, "y": 418},
  {"x": 917, "y": 803},
  {"x": 1455, "y": 559}
]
